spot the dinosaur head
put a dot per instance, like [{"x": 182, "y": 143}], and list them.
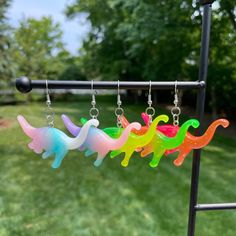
[
  {"x": 194, "y": 123},
  {"x": 224, "y": 122}
]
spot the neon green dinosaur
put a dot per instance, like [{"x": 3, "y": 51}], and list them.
[
  {"x": 161, "y": 143},
  {"x": 136, "y": 141}
]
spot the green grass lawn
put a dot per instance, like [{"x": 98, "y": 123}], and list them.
[{"x": 79, "y": 199}]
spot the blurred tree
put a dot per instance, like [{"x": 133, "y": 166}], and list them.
[
  {"x": 222, "y": 62},
  {"x": 150, "y": 40},
  {"x": 38, "y": 48},
  {"x": 72, "y": 69},
  {"x": 6, "y": 68},
  {"x": 128, "y": 38}
]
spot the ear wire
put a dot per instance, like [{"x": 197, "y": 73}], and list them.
[
  {"x": 93, "y": 112},
  {"x": 176, "y": 111},
  {"x": 150, "y": 111},
  {"x": 49, "y": 111},
  {"x": 119, "y": 111}
]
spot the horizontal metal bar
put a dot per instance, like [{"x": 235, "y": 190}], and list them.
[
  {"x": 25, "y": 85},
  {"x": 215, "y": 206}
]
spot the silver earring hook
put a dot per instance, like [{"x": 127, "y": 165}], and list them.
[
  {"x": 119, "y": 111},
  {"x": 150, "y": 87},
  {"x": 92, "y": 86},
  {"x": 46, "y": 82},
  {"x": 176, "y": 90},
  {"x": 49, "y": 111},
  {"x": 150, "y": 111},
  {"x": 118, "y": 94},
  {"x": 176, "y": 111},
  {"x": 118, "y": 87},
  {"x": 93, "y": 112},
  {"x": 48, "y": 102}
]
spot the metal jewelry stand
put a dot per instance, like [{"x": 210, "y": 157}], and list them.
[{"x": 25, "y": 85}]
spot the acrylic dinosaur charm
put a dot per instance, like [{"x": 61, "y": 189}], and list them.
[
  {"x": 195, "y": 142},
  {"x": 53, "y": 141},
  {"x": 167, "y": 130},
  {"x": 190, "y": 142},
  {"x": 138, "y": 141},
  {"x": 98, "y": 141},
  {"x": 161, "y": 143}
]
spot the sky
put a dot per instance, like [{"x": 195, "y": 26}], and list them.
[{"x": 74, "y": 30}]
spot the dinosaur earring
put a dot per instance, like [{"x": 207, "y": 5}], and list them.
[
  {"x": 168, "y": 137},
  {"x": 192, "y": 142},
  {"x": 101, "y": 141},
  {"x": 49, "y": 111},
  {"x": 115, "y": 132},
  {"x": 51, "y": 140},
  {"x": 93, "y": 112},
  {"x": 119, "y": 111},
  {"x": 150, "y": 111},
  {"x": 175, "y": 111}
]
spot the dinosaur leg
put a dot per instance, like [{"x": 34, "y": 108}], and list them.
[
  {"x": 157, "y": 157},
  {"x": 138, "y": 149},
  {"x": 82, "y": 148},
  {"x": 34, "y": 146},
  {"x": 47, "y": 154},
  {"x": 31, "y": 145},
  {"x": 168, "y": 152},
  {"x": 125, "y": 161},
  {"x": 115, "y": 153},
  {"x": 99, "y": 159},
  {"x": 182, "y": 155},
  {"x": 60, "y": 154},
  {"x": 146, "y": 151},
  {"x": 88, "y": 152}
]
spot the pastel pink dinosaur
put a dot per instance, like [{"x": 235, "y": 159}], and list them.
[
  {"x": 98, "y": 141},
  {"x": 53, "y": 140}
]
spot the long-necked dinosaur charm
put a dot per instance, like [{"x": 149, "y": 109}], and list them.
[
  {"x": 162, "y": 141},
  {"x": 138, "y": 141},
  {"x": 190, "y": 142},
  {"x": 99, "y": 141},
  {"x": 54, "y": 141}
]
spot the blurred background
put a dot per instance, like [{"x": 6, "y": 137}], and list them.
[
  {"x": 125, "y": 40},
  {"x": 131, "y": 40}
]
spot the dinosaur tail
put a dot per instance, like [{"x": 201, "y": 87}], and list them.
[
  {"x": 27, "y": 128},
  {"x": 179, "y": 138},
  {"x": 124, "y": 121},
  {"x": 208, "y": 135},
  {"x": 81, "y": 137},
  {"x": 145, "y": 118},
  {"x": 71, "y": 127},
  {"x": 118, "y": 143}
]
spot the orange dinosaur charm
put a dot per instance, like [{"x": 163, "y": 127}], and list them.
[{"x": 191, "y": 142}]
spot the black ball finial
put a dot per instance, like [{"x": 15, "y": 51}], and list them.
[{"x": 23, "y": 84}]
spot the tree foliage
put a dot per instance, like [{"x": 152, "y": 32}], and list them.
[
  {"x": 158, "y": 40},
  {"x": 128, "y": 38},
  {"x": 38, "y": 48},
  {"x": 6, "y": 69}
]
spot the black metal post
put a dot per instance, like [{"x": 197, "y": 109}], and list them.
[{"x": 205, "y": 38}]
